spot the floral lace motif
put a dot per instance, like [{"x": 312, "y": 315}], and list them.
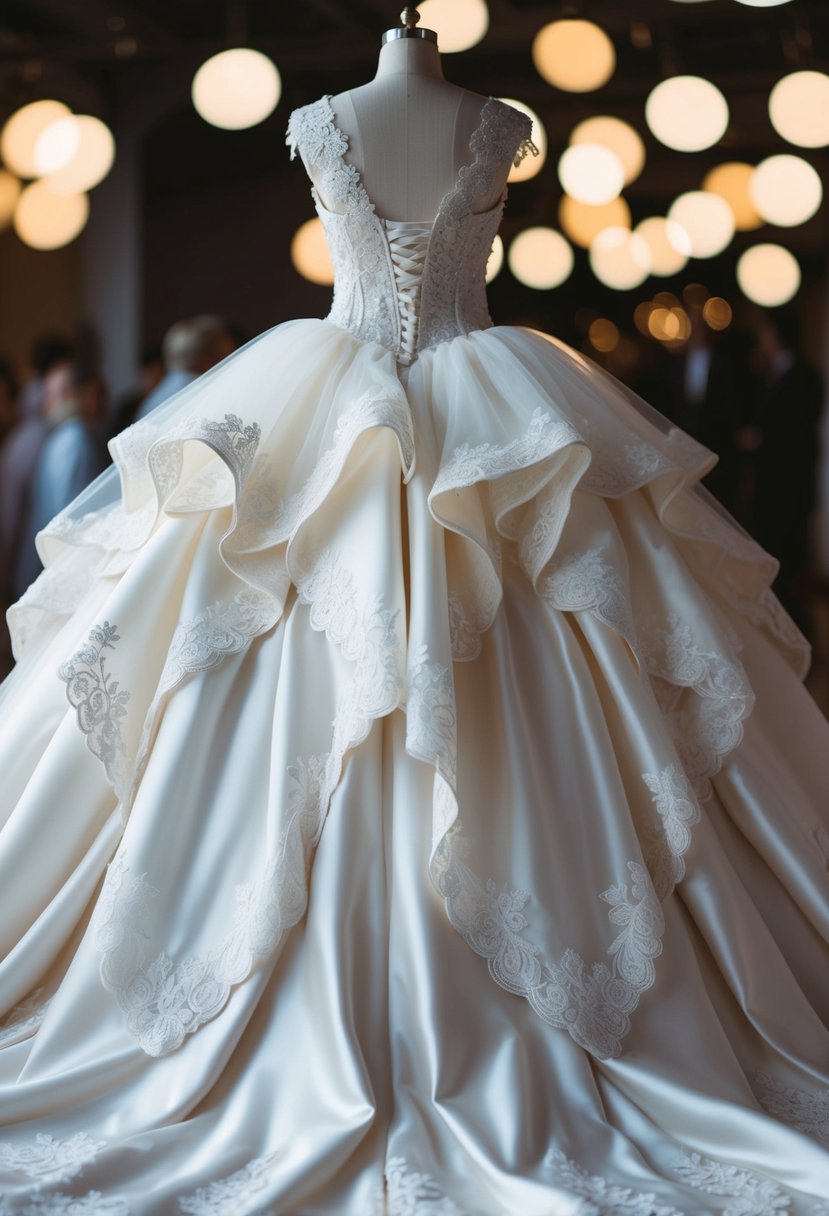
[
  {"x": 808, "y": 1112},
  {"x": 413, "y": 1193},
  {"x": 678, "y": 811},
  {"x": 91, "y": 1204},
  {"x": 587, "y": 582},
  {"x": 766, "y": 612},
  {"x": 609, "y": 1199},
  {"x": 750, "y": 1194},
  {"x": 47, "y": 1159},
  {"x": 22, "y": 1022},
  {"x": 232, "y": 1196},
  {"x": 99, "y": 703}
]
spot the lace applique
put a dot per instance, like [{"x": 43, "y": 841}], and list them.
[
  {"x": 708, "y": 727},
  {"x": 431, "y": 720},
  {"x": 415, "y": 1194},
  {"x": 47, "y": 1159},
  {"x": 751, "y": 1194},
  {"x": 232, "y": 1196},
  {"x": 609, "y": 1199},
  {"x": 99, "y": 703},
  {"x": 766, "y": 612},
  {"x": 466, "y": 628},
  {"x": 587, "y": 582},
  {"x": 678, "y": 811},
  {"x": 91, "y": 1204},
  {"x": 25, "y": 1019},
  {"x": 617, "y": 471},
  {"x": 488, "y": 461},
  {"x": 808, "y": 1112}
]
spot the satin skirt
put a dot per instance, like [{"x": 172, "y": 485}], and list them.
[{"x": 411, "y": 805}]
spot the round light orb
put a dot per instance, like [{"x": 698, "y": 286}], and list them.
[
  {"x": 732, "y": 181},
  {"x": 495, "y": 260},
  {"x": 591, "y": 173},
  {"x": 92, "y": 158},
  {"x": 21, "y": 132},
  {"x": 540, "y": 258},
  {"x": 56, "y": 145},
  {"x": 668, "y": 242},
  {"x": 236, "y": 89},
  {"x": 763, "y": 3},
  {"x": 620, "y": 259},
  {"x": 687, "y": 113},
  {"x": 603, "y": 335},
  {"x": 799, "y": 109},
  {"x": 459, "y": 24},
  {"x": 786, "y": 190},
  {"x": 717, "y": 313},
  {"x": 582, "y": 222},
  {"x": 530, "y": 165},
  {"x": 671, "y": 325},
  {"x": 574, "y": 55},
  {"x": 707, "y": 219},
  {"x": 10, "y": 188},
  {"x": 44, "y": 219},
  {"x": 310, "y": 253},
  {"x": 617, "y": 135},
  {"x": 769, "y": 275}
]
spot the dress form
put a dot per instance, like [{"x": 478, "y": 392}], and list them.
[{"x": 409, "y": 130}]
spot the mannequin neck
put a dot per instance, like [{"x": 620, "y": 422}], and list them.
[{"x": 409, "y": 57}]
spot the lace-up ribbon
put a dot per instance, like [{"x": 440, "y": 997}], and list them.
[{"x": 408, "y": 247}]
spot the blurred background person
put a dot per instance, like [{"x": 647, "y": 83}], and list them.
[
  {"x": 782, "y": 441},
  {"x": 8, "y": 399},
  {"x": 189, "y": 349},
  {"x": 150, "y": 375}
]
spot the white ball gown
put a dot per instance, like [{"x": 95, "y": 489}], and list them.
[{"x": 411, "y": 803}]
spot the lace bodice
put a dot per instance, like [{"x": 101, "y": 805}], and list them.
[{"x": 409, "y": 286}]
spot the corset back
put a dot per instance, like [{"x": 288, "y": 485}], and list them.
[{"x": 409, "y": 285}]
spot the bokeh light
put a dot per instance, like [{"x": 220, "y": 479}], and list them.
[
  {"x": 10, "y": 188},
  {"x": 236, "y": 89},
  {"x": 44, "y": 219},
  {"x": 620, "y": 259},
  {"x": 91, "y": 152},
  {"x": 799, "y": 109},
  {"x": 769, "y": 275},
  {"x": 671, "y": 324},
  {"x": 540, "y": 258},
  {"x": 20, "y": 134},
  {"x": 763, "y": 3},
  {"x": 591, "y": 173},
  {"x": 732, "y": 181},
  {"x": 708, "y": 220},
  {"x": 668, "y": 242},
  {"x": 310, "y": 253},
  {"x": 495, "y": 260},
  {"x": 786, "y": 190},
  {"x": 574, "y": 55},
  {"x": 530, "y": 165},
  {"x": 603, "y": 335},
  {"x": 582, "y": 222},
  {"x": 620, "y": 137},
  {"x": 459, "y": 24},
  {"x": 717, "y": 313},
  {"x": 687, "y": 113}
]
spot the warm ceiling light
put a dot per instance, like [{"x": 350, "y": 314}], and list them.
[
  {"x": 236, "y": 89},
  {"x": 530, "y": 165},
  {"x": 603, "y": 335},
  {"x": 732, "y": 181},
  {"x": 708, "y": 220},
  {"x": 81, "y": 149},
  {"x": 495, "y": 260},
  {"x": 687, "y": 113},
  {"x": 799, "y": 109},
  {"x": 668, "y": 242},
  {"x": 591, "y": 173},
  {"x": 620, "y": 259},
  {"x": 786, "y": 190},
  {"x": 574, "y": 55},
  {"x": 670, "y": 325},
  {"x": 583, "y": 222},
  {"x": 310, "y": 253},
  {"x": 459, "y": 24},
  {"x": 717, "y": 313},
  {"x": 763, "y": 3},
  {"x": 620, "y": 137},
  {"x": 46, "y": 220},
  {"x": 10, "y": 189},
  {"x": 21, "y": 132},
  {"x": 769, "y": 275},
  {"x": 540, "y": 258}
]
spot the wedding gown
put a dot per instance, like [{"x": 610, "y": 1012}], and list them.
[{"x": 411, "y": 803}]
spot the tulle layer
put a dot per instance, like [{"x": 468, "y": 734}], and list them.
[{"x": 508, "y": 548}]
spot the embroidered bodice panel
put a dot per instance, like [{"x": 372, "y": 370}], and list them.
[{"x": 409, "y": 285}]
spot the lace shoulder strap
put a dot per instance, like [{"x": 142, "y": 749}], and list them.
[
  {"x": 313, "y": 133},
  {"x": 504, "y": 134}
]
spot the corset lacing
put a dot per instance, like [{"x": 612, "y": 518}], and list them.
[{"x": 408, "y": 246}]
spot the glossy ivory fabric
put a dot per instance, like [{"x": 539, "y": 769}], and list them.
[{"x": 410, "y": 805}]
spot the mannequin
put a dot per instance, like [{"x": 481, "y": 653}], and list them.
[{"x": 409, "y": 129}]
